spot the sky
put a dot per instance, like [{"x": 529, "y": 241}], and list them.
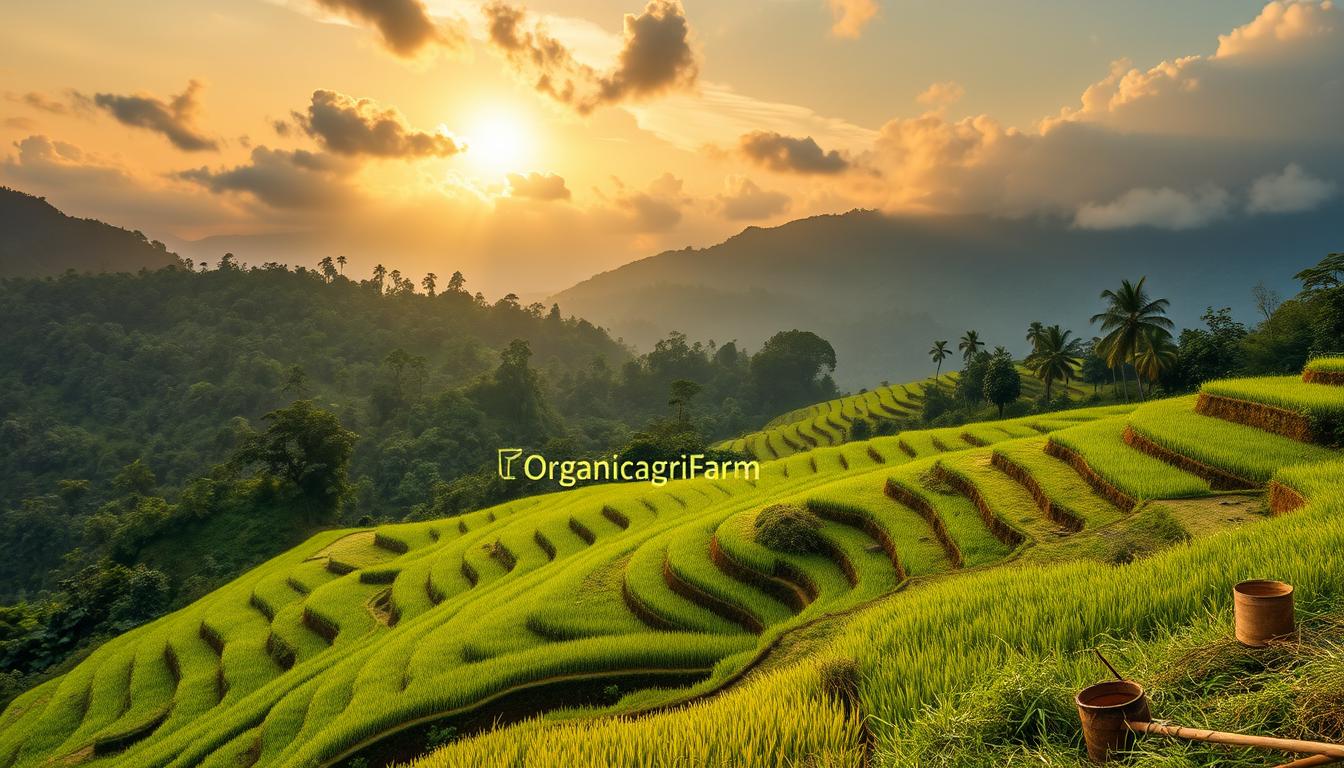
[{"x": 532, "y": 143}]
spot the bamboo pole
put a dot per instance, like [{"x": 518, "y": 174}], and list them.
[
  {"x": 1319, "y": 748},
  {"x": 1310, "y": 762}
]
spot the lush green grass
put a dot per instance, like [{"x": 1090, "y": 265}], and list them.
[
  {"x": 1244, "y": 451},
  {"x": 1102, "y": 445},
  {"x": 1328, "y": 364},
  {"x": 1289, "y": 392},
  {"x": 980, "y": 670},
  {"x": 438, "y": 615},
  {"x": 1061, "y": 485}
]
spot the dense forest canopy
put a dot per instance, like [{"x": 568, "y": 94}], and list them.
[{"x": 160, "y": 431}]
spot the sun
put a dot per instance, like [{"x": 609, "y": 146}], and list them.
[{"x": 499, "y": 140}]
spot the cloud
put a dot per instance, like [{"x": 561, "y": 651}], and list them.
[
  {"x": 1291, "y": 191},
  {"x": 349, "y": 126},
  {"x": 849, "y": 17},
  {"x": 52, "y": 106},
  {"x": 1163, "y": 208},
  {"x": 87, "y": 184},
  {"x": 657, "y": 208},
  {"x": 655, "y": 56},
  {"x": 1278, "y": 23},
  {"x": 788, "y": 154},
  {"x": 538, "y": 186},
  {"x": 405, "y": 25},
  {"x": 1272, "y": 97},
  {"x": 21, "y": 123},
  {"x": 743, "y": 200},
  {"x": 282, "y": 179},
  {"x": 941, "y": 94},
  {"x": 1272, "y": 78},
  {"x": 175, "y": 119}
]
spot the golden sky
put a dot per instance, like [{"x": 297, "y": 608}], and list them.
[{"x": 530, "y": 144}]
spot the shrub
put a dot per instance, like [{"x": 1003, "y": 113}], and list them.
[
  {"x": 789, "y": 528},
  {"x": 840, "y": 678},
  {"x": 861, "y": 429}
]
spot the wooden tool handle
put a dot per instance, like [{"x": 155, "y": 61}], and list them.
[{"x": 1319, "y": 748}]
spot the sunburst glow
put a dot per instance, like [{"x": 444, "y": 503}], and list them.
[{"x": 499, "y": 140}]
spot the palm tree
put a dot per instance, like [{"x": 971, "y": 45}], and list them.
[
  {"x": 1055, "y": 357},
  {"x": 970, "y": 344},
  {"x": 341, "y": 260},
  {"x": 1034, "y": 332},
  {"x": 1129, "y": 316},
  {"x": 938, "y": 353},
  {"x": 380, "y": 276},
  {"x": 1156, "y": 354}
]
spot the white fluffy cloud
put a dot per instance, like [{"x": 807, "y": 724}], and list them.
[
  {"x": 1144, "y": 146},
  {"x": 1290, "y": 191},
  {"x": 1161, "y": 208}
]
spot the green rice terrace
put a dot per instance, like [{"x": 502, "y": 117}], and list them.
[
  {"x": 628, "y": 624},
  {"x": 831, "y": 423}
]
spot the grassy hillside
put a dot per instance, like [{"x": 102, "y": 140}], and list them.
[{"x": 367, "y": 645}]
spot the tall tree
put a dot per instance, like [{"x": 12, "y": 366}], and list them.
[
  {"x": 1130, "y": 315},
  {"x": 429, "y": 281},
  {"x": 1055, "y": 357},
  {"x": 306, "y": 449},
  {"x": 1003, "y": 384},
  {"x": 970, "y": 344},
  {"x": 379, "y": 276},
  {"x": 938, "y": 353},
  {"x": 328, "y": 268},
  {"x": 1155, "y": 355},
  {"x": 341, "y": 260},
  {"x": 1034, "y": 332},
  {"x": 683, "y": 391}
]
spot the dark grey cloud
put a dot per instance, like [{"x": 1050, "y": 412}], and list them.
[
  {"x": 350, "y": 126},
  {"x": 404, "y": 25},
  {"x": 656, "y": 56},
  {"x": 538, "y": 186},
  {"x": 175, "y": 119},
  {"x": 281, "y": 178},
  {"x": 789, "y": 154}
]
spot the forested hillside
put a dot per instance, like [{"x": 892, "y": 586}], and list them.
[
  {"x": 161, "y": 431},
  {"x": 40, "y": 240}
]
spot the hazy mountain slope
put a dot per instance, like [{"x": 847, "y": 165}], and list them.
[
  {"x": 881, "y": 288},
  {"x": 36, "y": 240}
]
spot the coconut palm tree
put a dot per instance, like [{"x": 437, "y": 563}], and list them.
[
  {"x": 1034, "y": 332},
  {"x": 1055, "y": 358},
  {"x": 970, "y": 344},
  {"x": 1156, "y": 354},
  {"x": 1130, "y": 315},
  {"x": 938, "y": 353}
]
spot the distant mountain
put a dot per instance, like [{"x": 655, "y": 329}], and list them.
[
  {"x": 36, "y": 239},
  {"x": 882, "y": 288}
]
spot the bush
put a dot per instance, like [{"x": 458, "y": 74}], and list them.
[
  {"x": 861, "y": 429},
  {"x": 789, "y": 528}
]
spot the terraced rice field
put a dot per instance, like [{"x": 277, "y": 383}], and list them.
[
  {"x": 630, "y": 598},
  {"x": 830, "y": 423}
]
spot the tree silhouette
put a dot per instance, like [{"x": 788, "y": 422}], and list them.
[
  {"x": 379, "y": 276},
  {"x": 457, "y": 283},
  {"x": 1003, "y": 384},
  {"x": 683, "y": 391},
  {"x": 1034, "y": 332},
  {"x": 429, "y": 281},
  {"x": 341, "y": 261},
  {"x": 970, "y": 344},
  {"x": 938, "y": 353}
]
